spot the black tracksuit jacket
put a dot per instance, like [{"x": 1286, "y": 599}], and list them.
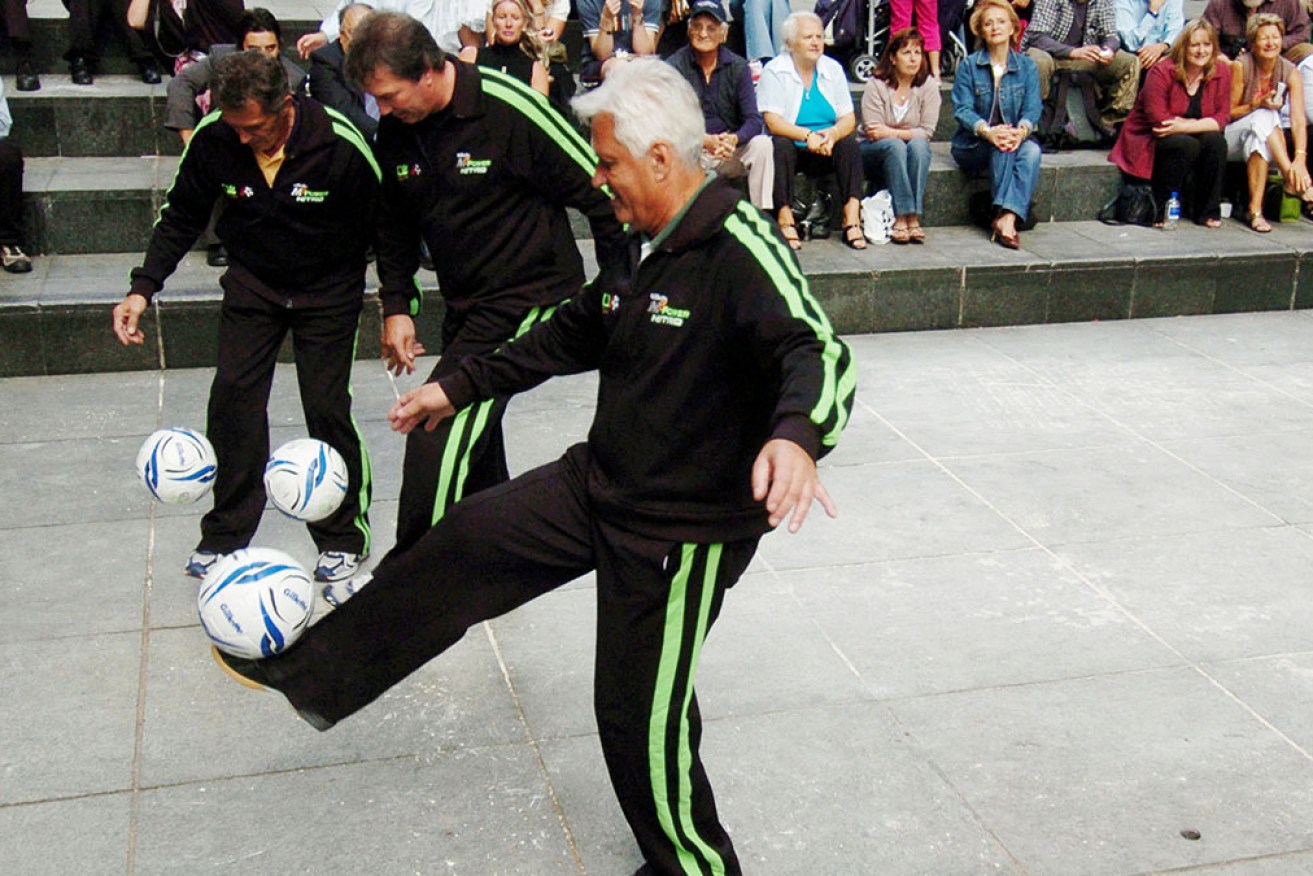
[
  {"x": 300, "y": 242},
  {"x": 485, "y": 180},
  {"x": 717, "y": 347}
]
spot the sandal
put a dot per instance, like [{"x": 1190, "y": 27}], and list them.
[
  {"x": 1213, "y": 223},
  {"x": 900, "y": 235},
  {"x": 916, "y": 234},
  {"x": 1258, "y": 223},
  {"x": 858, "y": 242},
  {"x": 790, "y": 233}
]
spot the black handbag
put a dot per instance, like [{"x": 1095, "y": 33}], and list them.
[{"x": 1134, "y": 204}]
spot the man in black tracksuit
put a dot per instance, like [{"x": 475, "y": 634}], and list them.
[
  {"x": 721, "y": 381},
  {"x": 482, "y": 168},
  {"x": 301, "y": 189}
]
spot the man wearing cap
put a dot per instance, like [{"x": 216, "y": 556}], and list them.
[{"x": 734, "y": 141}]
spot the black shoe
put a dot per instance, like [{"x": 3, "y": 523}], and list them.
[
  {"x": 25, "y": 78},
  {"x": 254, "y": 674},
  {"x": 79, "y": 70},
  {"x": 216, "y": 255},
  {"x": 150, "y": 72}
]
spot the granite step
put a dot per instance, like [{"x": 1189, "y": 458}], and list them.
[
  {"x": 56, "y": 319},
  {"x": 106, "y": 205}
]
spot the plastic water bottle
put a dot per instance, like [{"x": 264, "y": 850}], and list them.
[{"x": 1173, "y": 213}]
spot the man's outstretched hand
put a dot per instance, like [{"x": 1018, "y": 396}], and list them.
[
  {"x": 784, "y": 476},
  {"x": 427, "y": 404}
]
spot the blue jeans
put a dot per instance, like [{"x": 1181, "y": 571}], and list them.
[
  {"x": 904, "y": 166},
  {"x": 763, "y": 27},
  {"x": 1012, "y": 175}
]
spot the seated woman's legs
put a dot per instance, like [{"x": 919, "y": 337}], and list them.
[
  {"x": 903, "y": 166},
  {"x": 1013, "y": 177},
  {"x": 786, "y": 164},
  {"x": 1206, "y": 179},
  {"x": 1173, "y": 158},
  {"x": 1247, "y": 140},
  {"x": 847, "y": 161}
]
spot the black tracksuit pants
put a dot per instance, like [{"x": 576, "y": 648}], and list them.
[
  {"x": 87, "y": 19},
  {"x": 498, "y": 549},
  {"x": 251, "y": 330},
  {"x": 465, "y": 453}
]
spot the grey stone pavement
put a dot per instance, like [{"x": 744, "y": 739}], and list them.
[{"x": 1061, "y": 626}]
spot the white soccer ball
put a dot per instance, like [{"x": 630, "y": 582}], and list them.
[
  {"x": 255, "y": 602},
  {"x": 177, "y": 465},
  {"x": 306, "y": 479}
]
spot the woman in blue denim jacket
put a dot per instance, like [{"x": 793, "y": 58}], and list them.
[{"x": 996, "y": 103}]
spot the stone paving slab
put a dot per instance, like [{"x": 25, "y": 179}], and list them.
[{"x": 1062, "y": 618}]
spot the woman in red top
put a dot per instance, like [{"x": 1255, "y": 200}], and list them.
[{"x": 1173, "y": 137}]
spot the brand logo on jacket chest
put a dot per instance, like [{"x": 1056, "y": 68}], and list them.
[
  {"x": 465, "y": 165},
  {"x": 662, "y": 313},
  {"x": 235, "y": 191},
  {"x": 306, "y": 195},
  {"x": 408, "y": 171}
]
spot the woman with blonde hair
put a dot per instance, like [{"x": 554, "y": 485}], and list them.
[
  {"x": 513, "y": 45},
  {"x": 1173, "y": 137},
  {"x": 997, "y": 105},
  {"x": 1262, "y": 82}
]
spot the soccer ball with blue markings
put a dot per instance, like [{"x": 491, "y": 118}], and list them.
[
  {"x": 306, "y": 479},
  {"x": 177, "y": 465},
  {"x": 255, "y": 602}
]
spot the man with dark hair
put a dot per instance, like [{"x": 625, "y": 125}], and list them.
[
  {"x": 483, "y": 167},
  {"x": 260, "y": 31},
  {"x": 301, "y": 189},
  {"x": 328, "y": 80}
]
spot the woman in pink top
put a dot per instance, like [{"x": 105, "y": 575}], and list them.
[{"x": 1173, "y": 137}]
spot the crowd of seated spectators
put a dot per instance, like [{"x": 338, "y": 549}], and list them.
[{"x": 1175, "y": 101}]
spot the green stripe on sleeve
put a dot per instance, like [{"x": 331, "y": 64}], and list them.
[
  {"x": 750, "y": 228},
  {"x": 535, "y": 108},
  {"x": 203, "y": 123},
  {"x": 347, "y": 131}
]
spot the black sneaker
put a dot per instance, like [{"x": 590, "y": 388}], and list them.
[
  {"x": 79, "y": 70},
  {"x": 254, "y": 674},
  {"x": 150, "y": 72},
  {"x": 216, "y": 255},
  {"x": 25, "y": 78}
]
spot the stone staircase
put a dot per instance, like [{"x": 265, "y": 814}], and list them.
[{"x": 98, "y": 165}]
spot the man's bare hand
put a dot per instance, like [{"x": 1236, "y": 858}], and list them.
[
  {"x": 310, "y": 42},
  {"x": 427, "y": 404},
  {"x": 784, "y": 476},
  {"x": 127, "y": 314},
  {"x": 399, "y": 344}
]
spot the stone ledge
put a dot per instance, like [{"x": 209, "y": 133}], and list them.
[{"x": 57, "y": 318}]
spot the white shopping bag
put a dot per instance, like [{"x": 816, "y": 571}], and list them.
[{"x": 878, "y": 216}]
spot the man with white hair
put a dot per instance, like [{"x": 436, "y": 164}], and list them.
[
  {"x": 1230, "y": 17},
  {"x": 720, "y": 384}
]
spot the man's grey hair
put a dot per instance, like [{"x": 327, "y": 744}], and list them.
[
  {"x": 789, "y": 30},
  {"x": 648, "y": 100},
  {"x": 349, "y": 8}
]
